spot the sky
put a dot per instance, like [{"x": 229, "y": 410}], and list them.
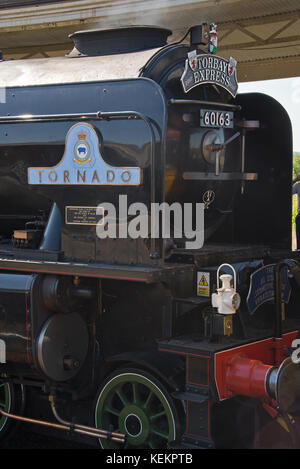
[{"x": 287, "y": 92}]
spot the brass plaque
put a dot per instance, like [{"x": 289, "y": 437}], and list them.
[{"x": 76, "y": 215}]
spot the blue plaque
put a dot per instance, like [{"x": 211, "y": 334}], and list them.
[
  {"x": 262, "y": 287},
  {"x": 83, "y": 164}
]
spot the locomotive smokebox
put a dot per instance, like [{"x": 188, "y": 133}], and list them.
[{"x": 118, "y": 41}]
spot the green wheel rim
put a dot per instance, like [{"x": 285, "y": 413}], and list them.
[
  {"x": 133, "y": 404},
  {"x": 5, "y": 403}
]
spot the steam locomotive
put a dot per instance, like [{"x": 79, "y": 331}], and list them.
[{"x": 146, "y": 341}]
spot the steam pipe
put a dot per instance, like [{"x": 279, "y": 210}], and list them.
[
  {"x": 64, "y": 425},
  {"x": 118, "y": 437},
  {"x": 248, "y": 377},
  {"x": 253, "y": 378},
  {"x": 278, "y": 299}
]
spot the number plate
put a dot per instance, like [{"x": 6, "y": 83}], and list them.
[{"x": 212, "y": 118}]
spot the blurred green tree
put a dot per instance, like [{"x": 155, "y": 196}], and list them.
[
  {"x": 296, "y": 164},
  {"x": 296, "y": 170}
]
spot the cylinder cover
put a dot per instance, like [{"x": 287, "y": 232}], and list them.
[{"x": 62, "y": 346}]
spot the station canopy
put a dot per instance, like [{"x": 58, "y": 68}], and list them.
[{"x": 262, "y": 35}]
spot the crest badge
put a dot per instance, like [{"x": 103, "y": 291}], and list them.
[
  {"x": 82, "y": 150},
  {"x": 231, "y": 66},
  {"x": 213, "y": 38},
  {"x": 192, "y": 58}
]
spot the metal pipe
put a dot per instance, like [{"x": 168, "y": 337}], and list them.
[
  {"x": 98, "y": 115},
  {"x": 198, "y": 176},
  {"x": 29, "y": 118},
  {"x": 278, "y": 300},
  {"x": 204, "y": 103},
  {"x": 118, "y": 437},
  {"x": 81, "y": 429},
  {"x": 218, "y": 163},
  {"x": 30, "y": 420},
  {"x": 243, "y": 144},
  {"x": 247, "y": 377},
  {"x": 214, "y": 147}
]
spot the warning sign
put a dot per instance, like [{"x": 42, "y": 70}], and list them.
[{"x": 203, "y": 283}]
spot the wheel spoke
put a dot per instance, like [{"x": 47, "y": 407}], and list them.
[
  {"x": 121, "y": 397},
  {"x": 136, "y": 396},
  {"x": 159, "y": 433},
  {"x": 156, "y": 416},
  {"x": 110, "y": 410},
  {"x": 148, "y": 400},
  {"x": 134, "y": 392}
]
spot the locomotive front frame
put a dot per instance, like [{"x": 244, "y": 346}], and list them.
[{"x": 120, "y": 334}]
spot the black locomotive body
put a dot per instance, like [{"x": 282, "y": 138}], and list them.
[{"x": 119, "y": 332}]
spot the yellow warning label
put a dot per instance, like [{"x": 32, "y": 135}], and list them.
[
  {"x": 203, "y": 284},
  {"x": 203, "y": 291}
]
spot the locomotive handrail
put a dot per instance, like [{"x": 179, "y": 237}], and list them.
[
  {"x": 233, "y": 176},
  {"x": 206, "y": 103},
  {"x": 107, "y": 115},
  {"x": 278, "y": 299}
]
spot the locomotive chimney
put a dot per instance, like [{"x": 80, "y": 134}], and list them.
[{"x": 117, "y": 40}]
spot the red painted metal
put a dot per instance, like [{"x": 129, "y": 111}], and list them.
[
  {"x": 246, "y": 377},
  {"x": 270, "y": 352}
]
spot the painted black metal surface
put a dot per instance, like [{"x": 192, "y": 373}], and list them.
[
  {"x": 43, "y": 145},
  {"x": 263, "y": 213},
  {"x": 15, "y": 317},
  {"x": 97, "y": 270},
  {"x": 185, "y": 137},
  {"x": 118, "y": 40}
]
